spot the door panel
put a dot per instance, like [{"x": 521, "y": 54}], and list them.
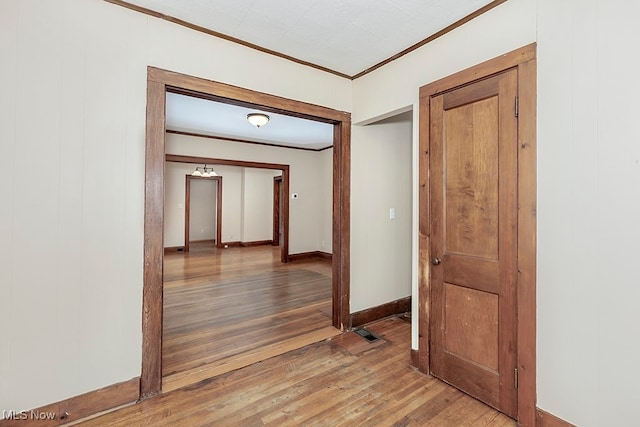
[{"x": 473, "y": 144}]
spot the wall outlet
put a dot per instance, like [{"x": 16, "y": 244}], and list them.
[{"x": 392, "y": 213}]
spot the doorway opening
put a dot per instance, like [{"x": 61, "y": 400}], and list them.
[
  {"x": 205, "y": 210},
  {"x": 159, "y": 82}
]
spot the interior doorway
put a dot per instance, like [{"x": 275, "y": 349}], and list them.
[
  {"x": 217, "y": 181},
  {"x": 159, "y": 82}
]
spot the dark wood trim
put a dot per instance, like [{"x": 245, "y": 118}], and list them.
[
  {"x": 341, "y": 219},
  {"x": 151, "y": 375},
  {"x": 431, "y": 38},
  {"x": 400, "y": 54},
  {"x": 256, "y": 243},
  {"x": 545, "y": 419},
  {"x": 310, "y": 255},
  {"x": 224, "y": 162},
  {"x": 277, "y": 189},
  {"x": 286, "y": 185},
  {"x": 233, "y": 244},
  {"x": 246, "y": 141},
  {"x": 325, "y": 255},
  {"x": 482, "y": 70},
  {"x": 402, "y": 305},
  {"x": 414, "y": 358},
  {"x": 158, "y": 83},
  {"x": 524, "y": 60},
  {"x": 235, "y": 95},
  {"x": 81, "y": 406},
  {"x": 170, "y": 249},
  {"x": 224, "y": 37},
  {"x": 187, "y": 209},
  {"x": 527, "y": 241}
]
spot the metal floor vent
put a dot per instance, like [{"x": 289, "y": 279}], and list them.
[{"x": 366, "y": 335}]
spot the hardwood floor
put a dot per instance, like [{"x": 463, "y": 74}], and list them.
[
  {"x": 229, "y": 308},
  {"x": 344, "y": 381}
]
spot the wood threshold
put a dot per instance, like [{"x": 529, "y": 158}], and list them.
[
  {"x": 524, "y": 60},
  {"x": 81, "y": 406},
  {"x": 193, "y": 376},
  {"x": 159, "y": 82},
  {"x": 545, "y": 419},
  {"x": 399, "y": 306}
]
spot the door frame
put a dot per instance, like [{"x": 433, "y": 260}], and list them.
[
  {"x": 159, "y": 82},
  {"x": 277, "y": 189},
  {"x": 187, "y": 208},
  {"x": 284, "y": 249},
  {"x": 524, "y": 60}
]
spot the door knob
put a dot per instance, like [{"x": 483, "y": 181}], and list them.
[{"x": 436, "y": 261}]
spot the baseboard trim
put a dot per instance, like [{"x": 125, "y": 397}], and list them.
[
  {"x": 402, "y": 305},
  {"x": 256, "y": 243},
  {"x": 78, "y": 407},
  {"x": 310, "y": 255},
  {"x": 235, "y": 244},
  {"x": 545, "y": 419},
  {"x": 170, "y": 249},
  {"x": 414, "y": 358}
]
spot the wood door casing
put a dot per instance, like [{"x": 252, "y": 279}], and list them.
[
  {"x": 277, "y": 218},
  {"x": 473, "y": 201}
]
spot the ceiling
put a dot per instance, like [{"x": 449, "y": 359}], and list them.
[
  {"x": 204, "y": 117},
  {"x": 345, "y": 37}
]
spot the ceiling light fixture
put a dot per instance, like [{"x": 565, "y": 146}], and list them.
[
  {"x": 208, "y": 172},
  {"x": 258, "y": 119}
]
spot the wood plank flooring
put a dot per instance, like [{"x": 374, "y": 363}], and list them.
[
  {"x": 337, "y": 382},
  {"x": 228, "y": 308}
]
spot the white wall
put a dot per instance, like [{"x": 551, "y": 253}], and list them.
[
  {"x": 380, "y": 246},
  {"x": 73, "y": 107},
  {"x": 588, "y": 211},
  {"x": 202, "y": 212},
  {"x": 258, "y": 204},
  {"x": 588, "y": 186},
  {"x": 326, "y": 200},
  {"x": 395, "y": 87}
]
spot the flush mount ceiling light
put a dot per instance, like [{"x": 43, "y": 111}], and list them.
[{"x": 258, "y": 119}]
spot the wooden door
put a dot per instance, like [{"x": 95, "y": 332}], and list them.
[{"x": 473, "y": 249}]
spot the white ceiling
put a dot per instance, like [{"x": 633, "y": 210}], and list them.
[
  {"x": 195, "y": 115},
  {"x": 346, "y": 37}
]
